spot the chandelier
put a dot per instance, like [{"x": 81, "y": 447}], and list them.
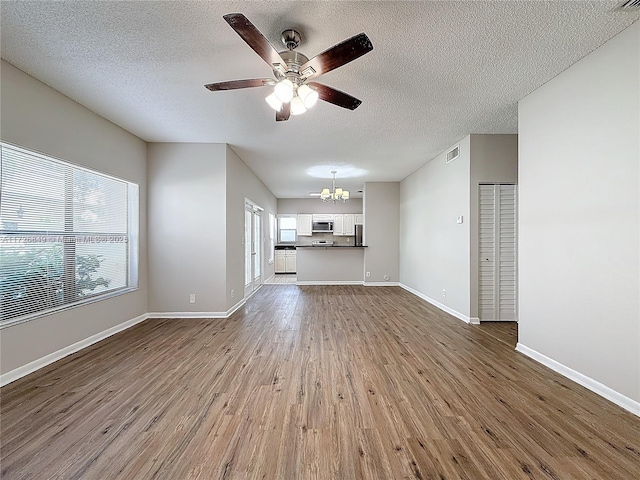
[{"x": 335, "y": 194}]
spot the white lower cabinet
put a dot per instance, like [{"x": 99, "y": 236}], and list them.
[
  {"x": 285, "y": 261},
  {"x": 290, "y": 263}
]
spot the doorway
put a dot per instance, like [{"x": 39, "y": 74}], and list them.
[
  {"x": 252, "y": 247},
  {"x": 497, "y": 253}
]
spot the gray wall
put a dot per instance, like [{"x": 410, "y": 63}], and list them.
[
  {"x": 37, "y": 117},
  {"x": 494, "y": 159},
  {"x": 434, "y": 249},
  {"x": 242, "y": 183},
  {"x": 580, "y": 216},
  {"x": 187, "y": 222},
  {"x": 315, "y": 205},
  {"x": 382, "y": 231}
]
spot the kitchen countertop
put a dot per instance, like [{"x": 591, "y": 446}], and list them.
[
  {"x": 293, "y": 247},
  {"x": 331, "y": 246}
]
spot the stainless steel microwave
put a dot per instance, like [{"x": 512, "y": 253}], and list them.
[{"x": 322, "y": 227}]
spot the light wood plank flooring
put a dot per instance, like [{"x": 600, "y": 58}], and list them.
[{"x": 311, "y": 383}]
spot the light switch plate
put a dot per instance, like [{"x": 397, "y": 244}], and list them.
[{"x": 459, "y": 219}]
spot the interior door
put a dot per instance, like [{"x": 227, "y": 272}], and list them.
[
  {"x": 497, "y": 280},
  {"x": 252, "y": 247}
]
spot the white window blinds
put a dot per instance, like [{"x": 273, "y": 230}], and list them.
[{"x": 67, "y": 234}]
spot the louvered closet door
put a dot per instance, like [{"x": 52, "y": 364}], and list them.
[{"x": 497, "y": 253}]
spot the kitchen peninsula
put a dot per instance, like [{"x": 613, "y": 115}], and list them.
[{"x": 337, "y": 264}]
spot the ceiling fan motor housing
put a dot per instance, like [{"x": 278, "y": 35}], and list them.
[{"x": 294, "y": 61}]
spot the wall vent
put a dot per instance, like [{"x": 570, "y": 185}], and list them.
[
  {"x": 628, "y": 6},
  {"x": 453, "y": 154}
]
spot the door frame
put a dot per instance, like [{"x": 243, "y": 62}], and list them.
[{"x": 256, "y": 244}]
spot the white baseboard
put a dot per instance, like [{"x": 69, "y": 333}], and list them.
[
  {"x": 449, "y": 310},
  {"x": 31, "y": 367},
  {"x": 226, "y": 314},
  {"x": 381, "y": 284},
  {"x": 330, "y": 282},
  {"x": 587, "y": 382}
]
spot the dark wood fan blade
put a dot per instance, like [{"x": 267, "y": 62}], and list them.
[
  {"x": 334, "y": 96},
  {"x": 338, "y": 55},
  {"x": 236, "y": 84},
  {"x": 252, "y": 36},
  {"x": 284, "y": 113}
]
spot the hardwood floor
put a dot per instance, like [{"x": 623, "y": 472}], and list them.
[{"x": 343, "y": 382}]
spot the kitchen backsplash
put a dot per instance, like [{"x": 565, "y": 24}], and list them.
[{"x": 337, "y": 240}]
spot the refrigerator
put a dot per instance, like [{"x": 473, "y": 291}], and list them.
[{"x": 358, "y": 235}]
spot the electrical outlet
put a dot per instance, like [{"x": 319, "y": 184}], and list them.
[
  {"x": 233, "y": 293},
  {"x": 192, "y": 298},
  {"x": 444, "y": 292},
  {"x": 368, "y": 274}
]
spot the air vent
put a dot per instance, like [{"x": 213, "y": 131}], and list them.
[
  {"x": 629, "y": 6},
  {"x": 453, "y": 154}
]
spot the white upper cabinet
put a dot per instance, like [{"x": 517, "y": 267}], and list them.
[
  {"x": 359, "y": 219},
  {"x": 338, "y": 224},
  {"x": 304, "y": 224},
  {"x": 349, "y": 224},
  {"x": 344, "y": 224}
]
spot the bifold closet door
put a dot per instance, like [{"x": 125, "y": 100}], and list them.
[{"x": 497, "y": 283}]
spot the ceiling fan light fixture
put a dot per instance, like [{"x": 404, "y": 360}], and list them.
[
  {"x": 274, "y": 102},
  {"x": 297, "y": 106},
  {"x": 308, "y": 95},
  {"x": 284, "y": 90}
]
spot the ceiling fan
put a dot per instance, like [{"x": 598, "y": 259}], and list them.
[{"x": 294, "y": 93}]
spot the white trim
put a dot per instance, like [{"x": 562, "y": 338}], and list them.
[
  {"x": 329, "y": 282},
  {"x": 619, "y": 399},
  {"x": 449, "y": 310},
  {"x": 31, "y": 367},
  {"x": 381, "y": 284},
  {"x": 226, "y": 314}
]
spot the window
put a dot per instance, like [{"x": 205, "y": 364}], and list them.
[
  {"x": 68, "y": 235},
  {"x": 287, "y": 229},
  {"x": 272, "y": 237}
]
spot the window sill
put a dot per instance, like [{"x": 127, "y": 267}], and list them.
[{"x": 98, "y": 298}]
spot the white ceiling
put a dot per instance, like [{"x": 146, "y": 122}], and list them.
[{"x": 438, "y": 71}]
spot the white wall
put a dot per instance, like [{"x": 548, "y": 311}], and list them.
[
  {"x": 494, "y": 159},
  {"x": 315, "y": 205},
  {"x": 434, "y": 249},
  {"x": 579, "y": 160},
  {"x": 37, "y": 117},
  {"x": 242, "y": 183},
  {"x": 187, "y": 222},
  {"x": 382, "y": 231}
]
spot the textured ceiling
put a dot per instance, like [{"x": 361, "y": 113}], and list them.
[{"x": 438, "y": 71}]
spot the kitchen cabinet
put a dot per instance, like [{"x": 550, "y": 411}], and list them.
[
  {"x": 359, "y": 219},
  {"x": 349, "y": 224},
  {"x": 344, "y": 224},
  {"x": 338, "y": 224},
  {"x": 304, "y": 224},
  {"x": 290, "y": 261},
  {"x": 285, "y": 261}
]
